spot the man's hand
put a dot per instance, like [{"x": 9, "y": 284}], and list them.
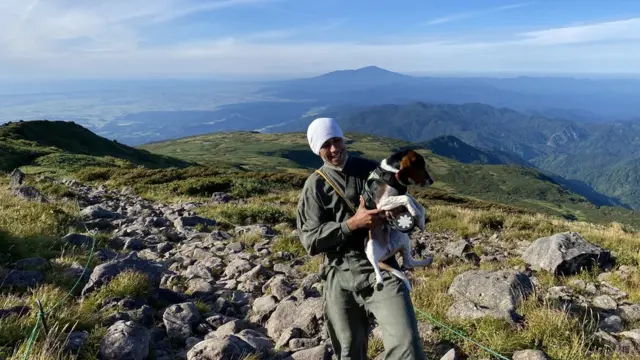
[{"x": 365, "y": 219}]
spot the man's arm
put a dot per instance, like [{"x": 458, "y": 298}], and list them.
[{"x": 317, "y": 233}]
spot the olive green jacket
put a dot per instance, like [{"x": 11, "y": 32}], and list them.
[{"x": 322, "y": 220}]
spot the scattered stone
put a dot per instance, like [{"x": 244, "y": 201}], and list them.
[
  {"x": 36, "y": 263},
  {"x": 180, "y": 320},
  {"x": 17, "y": 178},
  {"x": 97, "y": 212},
  {"x": 480, "y": 293},
  {"x": 450, "y": 355},
  {"x": 228, "y": 348},
  {"x": 75, "y": 341},
  {"x": 220, "y": 198},
  {"x": 78, "y": 240},
  {"x": 529, "y": 355},
  {"x": 104, "y": 273},
  {"x": 21, "y": 278},
  {"x": 605, "y": 302},
  {"x": 565, "y": 253},
  {"x": 29, "y": 193},
  {"x": 19, "y": 311},
  {"x": 125, "y": 340}
]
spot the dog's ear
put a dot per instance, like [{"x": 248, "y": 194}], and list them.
[{"x": 413, "y": 170}]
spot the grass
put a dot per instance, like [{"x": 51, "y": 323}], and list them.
[
  {"x": 54, "y": 144},
  {"x": 468, "y": 201},
  {"x": 524, "y": 187},
  {"x": 30, "y": 229}
]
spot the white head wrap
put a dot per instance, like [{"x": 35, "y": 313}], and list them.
[{"x": 321, "y": 130}]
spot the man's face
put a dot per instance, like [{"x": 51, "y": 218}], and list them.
[{"x": 333, "y": 151}]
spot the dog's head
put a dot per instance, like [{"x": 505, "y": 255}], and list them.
[{"x": 412, "y": 168}]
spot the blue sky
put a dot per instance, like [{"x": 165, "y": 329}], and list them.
[{"x": 289, "y": 38}]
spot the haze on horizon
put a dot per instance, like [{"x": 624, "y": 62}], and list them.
[{"x": 272, "y": 39}]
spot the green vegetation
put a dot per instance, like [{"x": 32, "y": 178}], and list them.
[
  {"x": 522, "y": 187},
  {"x": 469, "y": 200},
  {"x": 58, "y": 144}
]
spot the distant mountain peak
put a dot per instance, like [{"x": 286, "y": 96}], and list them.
[{"x": 370, "y": 70}]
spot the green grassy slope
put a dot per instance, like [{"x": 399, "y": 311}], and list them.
[
  {"x": 507, "y": 184},
  {"x": 60, "y": 144}
]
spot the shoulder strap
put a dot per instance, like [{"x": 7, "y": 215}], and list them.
[{"x": 337, "y": 190}]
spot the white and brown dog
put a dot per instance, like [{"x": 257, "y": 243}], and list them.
[{"x": 386, "y": 189}]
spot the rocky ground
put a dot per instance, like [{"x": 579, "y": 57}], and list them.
[{"x": 216, "y": 298}]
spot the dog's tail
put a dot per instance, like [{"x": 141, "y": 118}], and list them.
[{"x": 396, "y": 273}]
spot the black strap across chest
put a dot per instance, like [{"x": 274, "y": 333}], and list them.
[{"x": 387, "y": 177}]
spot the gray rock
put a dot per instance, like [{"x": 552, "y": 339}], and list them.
[
  {"x": 605, "y": 302},
  {"x": 480, "y": 293},
  {"x": 18, "y": 311},
  {"x": 17, "y": 178},
  {"x": 236, "y": 268},
  {"x": 78, "y": 240},
  {"x": 234, "y": 247},
  {"x": 230, "y": 328},
  {"x": 98, "y": 212},
  {"x": 21, "y": 278},
  {"x": 317, "y": 353},
  {"x": 287, "y": 335},
  {"x": 75, "y": 340},
  {"x": 29, "y": 193},
  {"x": 125, "y": 340},
  {"x": 450, "y": 355},
  {"x": 458, "y": 248},
  {"x": 220, "y": 198},
  {"x": 630, "y": 313},
  {"x": 256, "y": 339},
  {"x": 227, "y": 348},
  {"x": 633, "y": 335},
  {"x": 180, "y": 320},
  {"x": 306, "y": 315},
  {"x": 565, "y": 253},
  {"x": 164, "y": 247},
  {"x": 184, "y": 222},
  {"x": 36, "y": 263},
  {"x": 255, "y": 229},
  {"x": 303, "y": 343},
  {"x": 279, "y": 286},
  {"x": 529, "y": 355},
  {"x": 104, "y": 273},
  {"x": 265, "y": 304},
  {"x": 611, "y": 324}
]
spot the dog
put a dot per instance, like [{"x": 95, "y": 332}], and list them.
[{"x": 386, "y": 189}]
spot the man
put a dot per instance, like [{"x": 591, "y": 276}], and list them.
[{"x": 326, "y": 224}]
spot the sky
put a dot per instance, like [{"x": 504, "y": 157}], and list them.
[{"x": 265, "y": 39}]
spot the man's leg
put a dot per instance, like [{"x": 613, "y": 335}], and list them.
[
  {"x": 346, "y": 320},
  {"x": 394, "y": 313}
]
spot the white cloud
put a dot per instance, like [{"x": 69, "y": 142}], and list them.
[
  {"x": 620, "y": 30},
  {"x": 59, "y": 38},
  {"x": 471, "y": 14}
]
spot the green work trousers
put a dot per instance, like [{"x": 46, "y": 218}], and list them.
[{"x": 346, "y": 314}]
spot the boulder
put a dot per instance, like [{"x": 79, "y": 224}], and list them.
[
  {"x": 480, "y": 293},
  {"x": 104, "y": 273},
  {"x": 565, "y": 254},
  {"x": 226, "y": 348},
  {"x": 125, "y": 340}
]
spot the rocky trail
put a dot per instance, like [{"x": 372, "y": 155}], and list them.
[{"x": 216, "y": 298}]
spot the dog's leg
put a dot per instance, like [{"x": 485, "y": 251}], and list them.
[
  {"x": 396, "y": 273},
  {"x": 374, "y": 252},
  {"x": 409, "y": 262}
]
